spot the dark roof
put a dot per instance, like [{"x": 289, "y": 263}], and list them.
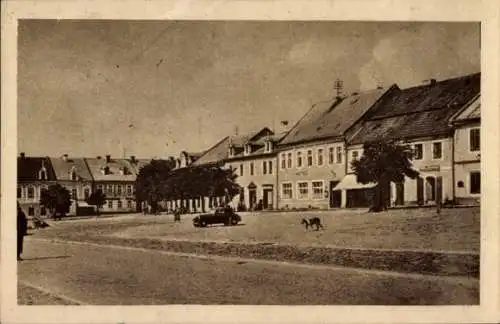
[
  {"x": 216, "y": 153},
  {"x": 28, "y": 168},
  {"x": 418, "y": 111},
  {"x": 332, "y": 118},
  {"x": 115, "y": 166},
  {"x": 443, "y": 94},
  {"x": 62, "y": 168}
]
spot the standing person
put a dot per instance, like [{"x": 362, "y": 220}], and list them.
[{"x": 22, "y": 229}]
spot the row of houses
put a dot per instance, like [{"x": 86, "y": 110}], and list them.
[
  {"x": 81, "y": 176},
  {"x": 309, "y": 166}
]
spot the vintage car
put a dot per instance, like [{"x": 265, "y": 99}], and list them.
[{"x": 223, "y": 215}]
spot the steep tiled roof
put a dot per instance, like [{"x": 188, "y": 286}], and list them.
[
  {"x": 472, "y": 111},
  {"x": 97, "y": 165},
  {"x": 62, "y": 168},
  {"x": 444, "y": 94},
  {"x": 418, "y": 111},
  {"x": 220, "y": 151},
  {"x": 330, "y": 119},
  {"x": 216, "y": 153},
  {"x": 28, "y": 168}
]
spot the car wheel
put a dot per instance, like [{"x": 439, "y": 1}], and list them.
[
  {"x": 234, "y": 221},
  {"x": 203, "y": 224}
]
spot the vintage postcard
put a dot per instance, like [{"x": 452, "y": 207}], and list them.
[{"x": 213, "y": 162}]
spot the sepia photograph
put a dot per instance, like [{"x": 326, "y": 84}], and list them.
[
  {"x": 248, "y": 162},
  {"x": 261, "y": 165}
]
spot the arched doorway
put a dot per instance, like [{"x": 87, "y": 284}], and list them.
[
  {"x": 430, "y": 189},
  {"x": 252, "y": 195}
]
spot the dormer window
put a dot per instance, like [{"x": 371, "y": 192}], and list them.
[
  {"x": 105, "y": 170},
  {"x": 248, "y": 149},
  {"x": 124, "y": 171},
  {"x": 231, "y": 151},
  {"x": 73, "y": 174},
  {"x": 42, "y": 175},
  {"x": 268, "y": 146}
]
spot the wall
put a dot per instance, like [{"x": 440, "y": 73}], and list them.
[
  {"x": 116, "y": 193},
  {"x": 326, "y": 172},
  {"x": 466, "y": 161}
]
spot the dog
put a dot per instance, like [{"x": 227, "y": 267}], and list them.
[{"x": 315, "y": 221}]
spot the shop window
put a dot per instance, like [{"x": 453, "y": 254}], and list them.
[{"x": 475, "y": 182}]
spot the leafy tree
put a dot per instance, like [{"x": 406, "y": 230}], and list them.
[
  {"x": 150, "y": 185},
  {"x": 97, "y": 199},
  {"x": 56, "y": 199},
  {"x": 383, "y": 163}
]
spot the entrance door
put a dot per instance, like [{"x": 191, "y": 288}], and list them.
[
  {"x": 400, "y": 193},
  {"x": 420, "y": 191},
  {"x": 252, "y": 197},
  {"x": 335, "y": 195},
  {"x": 439, "y": 190},
  {"x": 430, "y": 189},
  {"x": 267, "y": 199}
]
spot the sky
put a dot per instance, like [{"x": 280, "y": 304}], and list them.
[{"x": 155, "y": 88}]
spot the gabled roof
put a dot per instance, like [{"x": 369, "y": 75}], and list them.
[
  {"x": 220, "y": 151},
  {"x": 471, "y": 112},
  {"x": 96, "y": 165},
  {"x": 332, "y": 118},
  {"x": 418, "y": 111},
  {"x": 28, "y": 168},
  {"x": 62, "y": 168},
  {"x": 448, "y": 93}
]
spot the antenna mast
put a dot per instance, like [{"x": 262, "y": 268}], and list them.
[{"x": 338, "y": 86}]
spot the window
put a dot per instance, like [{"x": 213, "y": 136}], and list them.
[
  {"x": 119, "y": 204},
  {"x": 19, "y": 192},
  {"x": 110, "y": 189},
  {"x": 474, "y": 142},
  {"x": 110, "y": 204},
  {"x": 283, "y": 162},
  {"x": 86, "y": 193},
  {"x": 317, "y": 189},
  {"x": 339, "y": 154},
  {"x": 302, "y": 190},
  {"x": 99, "y": 187},
  {"x": 241, "y": 169},
  {"x": 129, "y": 190},
  {"x": 264, "y": 167},
  {"x": 355, "y": 155},
  {"x": 475, "y": 182},
  {"x": 43, "y": 174},
  {"x": 320, "y": 156},
  {"x": 31, "y": 193},
  {"x": 129, "y": 204},
  {"x": 289, "y": 161},
  {"x": 251, "y": 168},
  {"x": 74, "y": 194},
  {"x": 418, "y": 152},
  {"x": 270, "y": 167},
  {"x": 437, "y": 150},
  {"x": 73, "y": 175},
  {"x": 330, "y": 155},
  {"x": 119, "y": 190},
  {"x": 309, "y": 158},
  {"x": 299, "y": 159},
  {"x": 286, "y": 191}
]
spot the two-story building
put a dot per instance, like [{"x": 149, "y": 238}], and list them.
[
  {"x": 116, "y": 178},
  {"x": 417, "y": 116},
  {"x": 252, "y": 157},
  {"x": 74, "y": 174},
  {"x": 312, "y": 158},
  {"x": 33, "y": 175},
  {"x": 467, "y": 153}
]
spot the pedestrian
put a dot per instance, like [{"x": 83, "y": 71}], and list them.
[{"x": 22, "y": 229}]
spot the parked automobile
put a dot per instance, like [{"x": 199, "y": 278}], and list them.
[{"x": 223, "y": 215}]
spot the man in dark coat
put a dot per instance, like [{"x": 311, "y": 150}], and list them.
[{"x": 22, "y": 229}]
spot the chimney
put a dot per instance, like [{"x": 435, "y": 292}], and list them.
[
  {"x": 132, "y": 158},
  {"x": 98, "y": 157},
  {"x": 433, "y": 81},
  {"x": 22, "y": 155},
  {"x": 65, "y": 157},
  {"x": 108, "y": 158}
]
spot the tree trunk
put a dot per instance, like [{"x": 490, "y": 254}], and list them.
[{"x": 381, "y": 196}]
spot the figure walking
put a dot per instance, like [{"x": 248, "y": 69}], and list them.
[{"x": 22, "y": 229}]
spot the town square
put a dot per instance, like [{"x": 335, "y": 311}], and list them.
[{"x": 248, "y": 163}]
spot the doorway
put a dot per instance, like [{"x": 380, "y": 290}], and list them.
[
  {"x": 335, "y": 195},
  {"x": 420, "y": 191},
  {"x": 267, "y": 198},
  {"x": 430, "y": 189},
  {"x": 400, "y": 193},
  {"x": 252, "y": 196}
]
